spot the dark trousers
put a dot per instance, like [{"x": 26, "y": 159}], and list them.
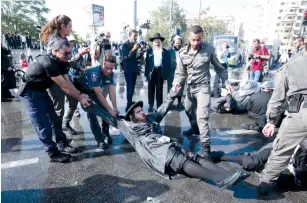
[
  {"x": 130, "y": 78},
  {"x": 30, "y": 57},
  {"x": 44, "y": 119},
  {"x": 155, "y": 85},
  {"x": 99, "y": 134},
  {"x": 8, "y": 82}
]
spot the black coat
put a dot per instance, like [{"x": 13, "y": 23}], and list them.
[
  {"x": 146, "y": 138},
  {"x": 9, "y": 81},
  {"x": 149, "y": 63}
]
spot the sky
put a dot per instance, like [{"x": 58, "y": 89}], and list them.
[{"x": 119, "y": 12}]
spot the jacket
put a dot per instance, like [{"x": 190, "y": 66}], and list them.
[
  {"x": 173, "y": 60},
  {"x": 149, "y": 63},
  {"x": 146, "y": 138}
]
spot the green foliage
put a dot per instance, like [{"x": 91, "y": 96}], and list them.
[
  {"x": 213, "y": 27},
  {"x": 78, "y": 37},
  {"x": 160, "y": 21},
  {"x": 23, "y": 16}
]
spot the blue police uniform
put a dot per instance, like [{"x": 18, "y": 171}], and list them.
[{"x": 94, "y": 77}]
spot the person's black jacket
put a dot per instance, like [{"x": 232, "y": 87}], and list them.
[
  {"x": 149, "y": 63},
  {"x": 258, "y": 103},
  {"x": 9, "y": 81},
  {"x": 5, "y": 61}
]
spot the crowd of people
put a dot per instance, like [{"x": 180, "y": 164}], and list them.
[{"x": 61, "y": 75}]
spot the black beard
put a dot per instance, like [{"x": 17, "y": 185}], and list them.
[{"x": 177, "y": 49}]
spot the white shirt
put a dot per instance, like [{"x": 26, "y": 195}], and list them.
[
  {"x": 23, "y": 38},
  {"x": 157, "y": 58},
  {"x": 177, "y": 57},
  {"x": 223, "y": 56},
  {"x": 284, "y": 58}
]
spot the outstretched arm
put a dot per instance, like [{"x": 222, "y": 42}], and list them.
[{"x": 164, "y": 108}]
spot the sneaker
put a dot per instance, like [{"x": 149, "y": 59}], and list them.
[
  {"x": 102, "y": 146},
  {"x": 229, "y": 181},
  {"x": 191, "y": 132},
  {"x": 265, "y": 188},
  {"x": 67, "y": 148},
  {"x": 69, "y": 129},
  {"x": 57, "y": 156}
]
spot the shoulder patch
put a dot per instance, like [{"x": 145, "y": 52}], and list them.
[{"x": 94, "y": 77}]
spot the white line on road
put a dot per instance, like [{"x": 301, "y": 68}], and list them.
[{"x": 24, "y": 162}]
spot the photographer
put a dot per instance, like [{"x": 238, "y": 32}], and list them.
[
  {"x": 260, "y": 55},
  {"x": 102, "y": 43},
  {"x": 129, "y": 49}
]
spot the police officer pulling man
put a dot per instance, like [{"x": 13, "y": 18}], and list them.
[
  {"x": 290, "y": 84},
  {"x": 193, "y": 66}
]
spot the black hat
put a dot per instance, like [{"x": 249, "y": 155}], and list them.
[
  {"x": 130, "y": 108},
  {"x": 157, "y": 36}
]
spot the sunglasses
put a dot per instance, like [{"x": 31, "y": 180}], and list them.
[{"x": 65, "y": 53}]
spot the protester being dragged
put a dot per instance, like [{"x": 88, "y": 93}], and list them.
[{"x": 161, "y": 154}]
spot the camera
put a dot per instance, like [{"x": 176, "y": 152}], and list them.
[{"x": 101, "y": 39}]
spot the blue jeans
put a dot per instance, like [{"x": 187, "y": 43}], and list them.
[
  {"x": 44, "y": 119},
  {"x": 255, "y": 75}
]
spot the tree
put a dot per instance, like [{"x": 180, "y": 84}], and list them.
[
  {"x": 23, "y": 16},
  {"x": 78, "y": 37},
  {"x": 213, "y": 27},
  {"x": 159, "y": 20}
]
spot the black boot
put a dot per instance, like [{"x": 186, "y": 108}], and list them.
[
  {"x": 69, "y": 129},
  {"x": 56, "y": 156},
  {"x": 191, "y": 131},
  {"x": 205, "y": 150},
  {"x": 265, "y": 188}
]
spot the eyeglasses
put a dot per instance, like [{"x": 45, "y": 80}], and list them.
[{"x": 65, "y": 53}]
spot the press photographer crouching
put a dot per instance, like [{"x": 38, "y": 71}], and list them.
[{"x": 42, "y": 73}]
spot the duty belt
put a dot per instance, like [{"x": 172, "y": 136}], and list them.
[{"x": 193, "y": 85}]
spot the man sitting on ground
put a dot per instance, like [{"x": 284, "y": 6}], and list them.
[{"x": 159, "y": 152}]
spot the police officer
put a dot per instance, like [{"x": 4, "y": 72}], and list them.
[
  {"x": 193, "y": 65},
  {"x": 98, "y": 82},
  {"x": 290, "y": 83}
]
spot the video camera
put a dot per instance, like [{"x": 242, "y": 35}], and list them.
[{"x": 100, "y": 40}]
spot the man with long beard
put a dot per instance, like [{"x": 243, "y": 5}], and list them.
[
  {"x": 174, "y": 57},
  {"x": 156, "y": 70}
]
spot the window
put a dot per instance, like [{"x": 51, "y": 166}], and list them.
[
  {"x": 277, "y": 24},
  {"x": 290, "y": 17},
  {"x": 285, "y": 37},
  {"x": 304, "y": 3},
  {"x": 301, "y": 10},
  {"x": 281, "y": 10},
  {"x": 298, "y": 25},
  {"x": 279, "y": 17},
  {"x": 286, "y": 30},
  {"x": 282, "y": 3},
  {"x": 299, "y": 17},
  {"x": 289, "y": 24},
  {"x": 293, "y": 3},
  {"x": 291, "y": 10}
]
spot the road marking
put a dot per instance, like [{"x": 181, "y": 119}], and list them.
[
  {"x": 236, "y": 132},
  {"x": 24, "y": 162}
]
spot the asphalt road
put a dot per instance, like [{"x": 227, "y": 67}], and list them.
[{"x": 118, "y": 174}]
